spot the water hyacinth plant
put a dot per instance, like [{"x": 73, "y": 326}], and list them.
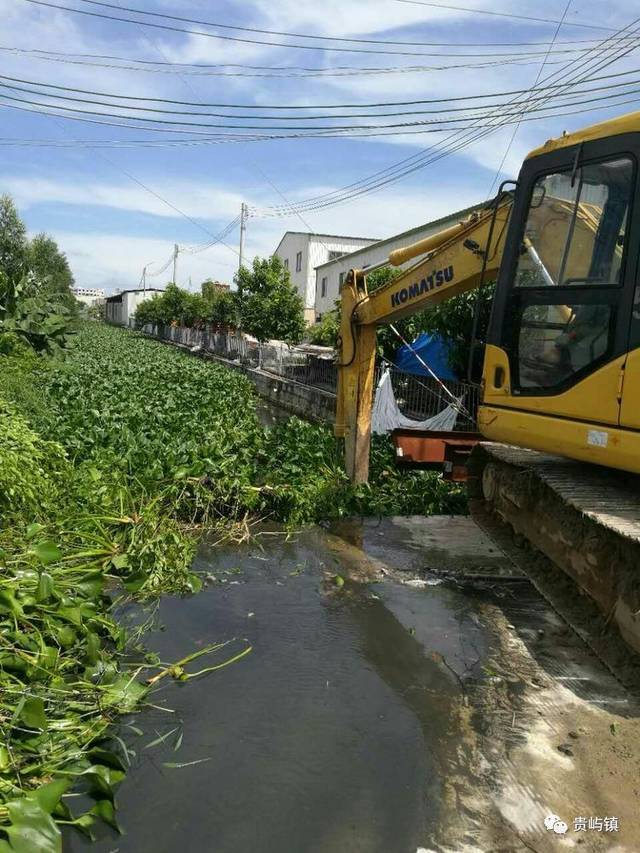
[{"x": 112, "y": 462}]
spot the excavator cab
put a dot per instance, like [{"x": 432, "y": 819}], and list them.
[{"x": 562, "y": 368}]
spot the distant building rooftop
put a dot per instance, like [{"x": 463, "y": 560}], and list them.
[
  {"x": 120, "y": 294},
  {"x": 461, "y": 213},
  {"x": 346, "y": 237}
]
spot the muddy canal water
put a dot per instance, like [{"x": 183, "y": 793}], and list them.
[{"x": 354, "y": 724}]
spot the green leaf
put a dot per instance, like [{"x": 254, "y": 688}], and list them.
[
  {"x": 94, "y": 647},
  {"x": 194, "y": 583},
  {"x": 31, "y": 713},
  {"x": 124, "y": 694},
  {"x": 48, "y": 796},
  {"x": 47, "y": 552},
  {"x": 9, "y": 603},
  {"x": 32, "y": 829},
  {"x": 106, "y": 757},
  {"x": 65, "y": 635},
  {"x": 102, "y": 780},
  {"x": 106, "y": 810},
  {"x": 5, "y": 759},
  {"x": 45, "y": 587},
  {"x": 33, "y": 530}
]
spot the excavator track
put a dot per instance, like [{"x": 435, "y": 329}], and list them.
[{"x": 574, "y": 530}]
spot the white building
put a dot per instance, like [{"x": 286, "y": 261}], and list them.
[
  {"x": 121, "y": 307},
  {"x": 301, "y": 253},
  {"x": 330, "y": 275},
  {"x": 88, "y": 295}
]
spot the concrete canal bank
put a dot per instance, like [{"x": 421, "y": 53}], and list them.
[{"x": 407, "y": 690}]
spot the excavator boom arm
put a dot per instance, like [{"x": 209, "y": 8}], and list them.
[
  {"x": 454, "y": 266},
  {"x": 457, "y": 260}
]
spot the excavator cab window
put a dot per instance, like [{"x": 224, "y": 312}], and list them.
[
  {"x": 574, "y": 232},
  {"x": 562, "y": 313}
]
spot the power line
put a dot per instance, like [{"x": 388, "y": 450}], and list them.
[
  {"x": 195, "y": 250},
  {"x": 353, "y": 132},
  {"x": 415, "y": 162},
  {"x": 159, "y": 272},
  {"x": 328, "y": 128},
  {"x": 216, "y": 139},
  {"x": 447, "y": 6},
  {"x": 251, "y": 71},
  {"x": 221, "y": 26},
  {"x": 219, "y": 139},
  {"x": 397, "y": 171},
  {"x": 535, "y": 83},
  {"x": 295, "y": 107},
  {"x": 205, "y": 34}
]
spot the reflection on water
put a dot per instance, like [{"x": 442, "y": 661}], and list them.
[
  {"x": 333, "y": 736},
  {"x": 269, "y": 415}
]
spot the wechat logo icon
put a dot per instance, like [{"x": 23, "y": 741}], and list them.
[{"x": 553, "y": 823}]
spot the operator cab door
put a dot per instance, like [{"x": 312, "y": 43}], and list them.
[
  {"x": 630, "y": 410},
  {"x": 567, "y": 283}
]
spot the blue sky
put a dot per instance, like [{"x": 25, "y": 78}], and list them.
[{"x": 110, "y": 226}]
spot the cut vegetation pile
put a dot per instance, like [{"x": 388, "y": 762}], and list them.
[{"x": 111, "y": 462}]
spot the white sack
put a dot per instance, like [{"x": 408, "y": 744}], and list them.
[{"x": 386, "y": 415}]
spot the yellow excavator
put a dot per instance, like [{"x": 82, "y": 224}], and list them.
[{"x": 562, "y": 357}]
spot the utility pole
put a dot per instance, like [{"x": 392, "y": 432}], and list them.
[
  {"x": 244, "y": 215},
  {"x": 176, "y": 250},
  {"x": 144, "y": 280}
]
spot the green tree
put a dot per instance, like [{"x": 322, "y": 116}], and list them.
[
  {"x": 13, "y": 242},
  {"x": 325, "y": 333},
  {"x": 43, "y": 318},
  {"x": 223, "y": 310},
  {"x": 149, "y": 311},
  {"x": 270, "y": 307},
  {"x": 50, "y": 268},
  {"x": 194, "y": 309},
  {"x": 211, "y": 288}
]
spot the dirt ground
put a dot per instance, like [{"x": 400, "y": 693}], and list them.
[{"x": 548, "y": 731}]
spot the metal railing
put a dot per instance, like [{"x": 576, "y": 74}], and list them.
[
  {"x": 418, "y": 397},
  {"x": 421, "y": 397}
]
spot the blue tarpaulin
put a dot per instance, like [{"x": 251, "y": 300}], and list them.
[{"x": 432, "y": 349}]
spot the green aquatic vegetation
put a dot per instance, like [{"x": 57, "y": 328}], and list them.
[
  {"x": 30, "y": 467},
  {"x": 61, "y": 688},
  {"x": 112, "y": 461}
]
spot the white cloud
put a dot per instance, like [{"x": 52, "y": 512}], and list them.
[
  {"x": 196, "y": 199},
  {"x": 116, "y": 260}
]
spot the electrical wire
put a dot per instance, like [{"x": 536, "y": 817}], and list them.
[
  {"x": 198, "y": 248},
  {"x": 411, "y": 164},
  {"x": 37, "y": 84},
  {"x": 331, "y": 128},
  {"x": 518, "y": 123},
  {"x": 258, "y": 71},
  {"x": 473, "y": 11},
  {"x": 159, "y": 272},
  {"x": 220, "y": 138},
  {"x": 180, "y": 19},
  {"x": 205, "y": 34}
]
